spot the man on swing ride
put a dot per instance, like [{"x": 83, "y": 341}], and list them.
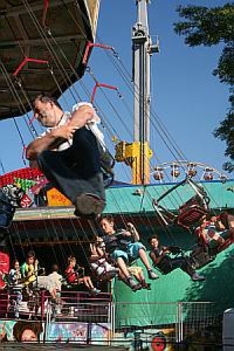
[
  {"x": 216, "y": 232},
  {"x": 161, "y": 259},
  {"x": 68, "y": 154}
]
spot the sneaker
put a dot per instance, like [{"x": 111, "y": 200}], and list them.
[
  {"x": 152, "y": 275},
  {"x": 133, "y": 285},
  {"x": 196, "y": 277},
  {"x": 89, "y": 204}
]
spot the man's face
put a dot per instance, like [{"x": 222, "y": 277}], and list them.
[
  {"x": 30, "y": 260},
  {"x": 107, "y": 226},
  {"x": 154, "y": 242},
  {"x": 45, "y": 113}
]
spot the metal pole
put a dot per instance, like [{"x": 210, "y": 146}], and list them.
[{"x": 142, "y": 49}]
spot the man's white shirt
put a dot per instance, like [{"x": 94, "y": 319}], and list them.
[{"x": 92, "y": 125}]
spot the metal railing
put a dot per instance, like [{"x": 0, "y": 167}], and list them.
[
  {"x": 137, "y": 326},
  {"x": 174, "y": 323}
]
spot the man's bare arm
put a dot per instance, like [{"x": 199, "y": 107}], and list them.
[
  {"x": 50, "y": 141},
  {"x": 134, "y": 233},
  {"x": 154, "y": 258}
]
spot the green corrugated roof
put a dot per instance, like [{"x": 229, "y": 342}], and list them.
[{"x": 135, "y": 199}]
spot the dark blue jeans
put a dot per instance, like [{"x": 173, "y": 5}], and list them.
[{"x": 77, "y": 169}]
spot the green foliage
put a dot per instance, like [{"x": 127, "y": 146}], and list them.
[
  {"x": 206, "y": 26},
  {"x": 213, "y": 26},
  {"x": 225, "y": 69},
  {"x": 226, "y": 132}
]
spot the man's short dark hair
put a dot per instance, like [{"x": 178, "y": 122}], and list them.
[
  {"x": 55, "y": 268},
  {"x": 109, "y": 218},
  {"x": 154, "y": 236},
  {"x": 47, "y": 98},
  {"x": 31, "y": 253}
]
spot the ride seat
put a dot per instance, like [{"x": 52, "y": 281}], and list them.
[
  {"x": 200, "y": 256},
  {"x": 191, "y": 212},
  {"x": 190, "y": 216},
  {"x": 224, "y": 245}
]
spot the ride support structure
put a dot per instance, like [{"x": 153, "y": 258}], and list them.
[{"x": 137, "y": 154}]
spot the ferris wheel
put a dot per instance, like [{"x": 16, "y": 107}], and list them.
[{"x": 176, "y": 170}]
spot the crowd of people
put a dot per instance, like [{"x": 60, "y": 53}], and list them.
[{"x": 28, "y": 279}]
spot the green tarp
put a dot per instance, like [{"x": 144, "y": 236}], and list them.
[{"x": 160, "y": 305}]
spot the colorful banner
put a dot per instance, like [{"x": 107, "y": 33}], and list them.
[{"x": 58, "y": 332}]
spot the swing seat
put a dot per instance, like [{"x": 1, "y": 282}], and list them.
[
  {"x": 221, "y": 247},
  {"x": 226, "y": 244},
  {"x": 190, "y": 212},
  {"x": 107, "y": 276},
  {"x": 200, "y": 256},
  {"x": 191, "y": 216}
]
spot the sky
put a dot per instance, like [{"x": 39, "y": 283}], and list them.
[{"x": 186, "y": 98}]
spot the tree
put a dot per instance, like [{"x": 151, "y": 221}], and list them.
[{"x": 208, "y": 27}]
